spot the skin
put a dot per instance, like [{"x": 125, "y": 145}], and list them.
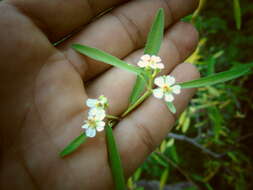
[{"x": 43, "y": 88}]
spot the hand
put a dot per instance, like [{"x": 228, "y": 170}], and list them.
[{"x": 44, "y": 87}]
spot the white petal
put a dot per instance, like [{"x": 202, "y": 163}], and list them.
[
  {"x": 160, "y": 66},
  {"x": 90, "y": 132},
  {"x": 97, "y": 113},
  {"x": 92, "y": 112},
  {"x": 170, "y": 80},
  {"x": 158, "y": 93},
  {"x": 159, "y": 81},
  {"x": 145, "y": 57},
  {"x": 85, "y": 126},
  {"x": 100, "y": 126},
  {"x": 142, "y": 64},
  {"x": 91, "y": 103},
  {"x": 176, "y": 89},
  {"x": 169, "y": 98},
  {"x": 156, "y": 59},
  {"x": 100, "y": 115}
]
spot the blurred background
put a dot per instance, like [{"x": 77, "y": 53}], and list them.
[{"x": 211, "y": 144}]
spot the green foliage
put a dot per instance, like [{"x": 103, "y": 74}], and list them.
[
  {"x": 152, "y": 47},
  {"x": 115, "y": 161},
  {"x": 237, "y": 14},
  {"x": 171, "y": 107},
  {"x": 73, "y": 145},
  {"x": 106, "y": 58},
  {"x": 155, "y": 36},
  {"x": 209, "y": 123},
  {"x": 217, "y": 78},
  {"x": 219, "y": 117},
  {"x": 164, "y": 178}
]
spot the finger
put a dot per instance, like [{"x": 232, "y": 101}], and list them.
[
  {"x": 178, "y": 43},
  {"x": 123, "y": 31},
  {"x": 60, "y": 17},
  {"x": 146, "y": 127}
]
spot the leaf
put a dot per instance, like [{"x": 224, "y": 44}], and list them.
[
  {"x": 217, "y": 121},
  {"x": 102, "y": 56},
  {"x": 172, "y": 152},
  {"x": 115, "y": 161},
  {"x": 160, "y": 161},
  {"x": 217, "y": 78},
  {"x": 137, "y": 90},
  {"x": 137, "y": 174},
  {"x": 233, "y": 156},
  {"x": 208, "y": 186},
  {"x": 186, "y": 125},
  {"x": 171, "y": 142},
  {"x": 164, "y": 178},
  {"x": 163, "y": 146},
  {"x": 171, "y": 107},
  {"x": 237, "y": 14},
  {"x": 155, "y": 36},
  {"x": 73, "y": 145},
  {"x": 152, "y": 47}
]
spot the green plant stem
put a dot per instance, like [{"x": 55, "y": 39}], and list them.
[
  {"x": 137, "y": 103},
  {"x": 112, "y": 117},
  {"x": 144, "y": 96}
]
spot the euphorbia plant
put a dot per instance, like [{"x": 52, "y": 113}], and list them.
[{"x": 148, "y": 82}]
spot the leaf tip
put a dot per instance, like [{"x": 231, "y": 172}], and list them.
[
  {"x": 62, "y": 154},
  {"x": 161, "y": 13}
]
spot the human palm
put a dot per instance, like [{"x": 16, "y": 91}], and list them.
[{"x": 44, "y": 87}]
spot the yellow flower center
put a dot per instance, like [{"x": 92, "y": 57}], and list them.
[
  {"x": 167, "y": 88},
  {"x": 99, "y": 104},
  {"x": 92, "y": 123}
]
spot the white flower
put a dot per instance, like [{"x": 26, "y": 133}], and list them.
[
  {"x": 96, "y": 115},
  {"x": 98, "y": 112},
  {"x": 99, "y": 103},
  {"x": 166, "y": 88},
  {"x": 153, "y": 62},
  {"x": 94, "y": 123}
]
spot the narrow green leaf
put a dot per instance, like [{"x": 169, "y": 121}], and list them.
[
  {"x": 164, "y": 178},
  {"x": 73, "y": 145},
  {"x": 186, "y": 125},
  {"x": 138, "y": 89},
  {"x": 152, "y": 47},
  {"x": 160, "y": 160},
  {"x": 115, "y": 161},
  {"x": 217, "y": 78},
  {"x": 102, "y": 56},
  {"x": 155, "y": 36},
  {"x": 137, "y": 174},
  {"x": 237, "y": 14},
  {"x": 172, "y": 153},
  {"x": 163, "y": 146},
  {"x": 170, "y": 143},
  {"x": 171, "y": 107}
]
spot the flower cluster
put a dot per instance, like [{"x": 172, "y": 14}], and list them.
[
  {"x": 150, "y": 62},
  {"x": 166, "y": 84},
  {"x": 166, "y": 88},
  {"x": 96, "y": 115}
]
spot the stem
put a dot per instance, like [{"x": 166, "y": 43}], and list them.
[
  {"x": 193, "y": 142},
  {"x": 112, "y": 117},
  {"x": 137, "y": 103},
  {"x": 144, "y": 96}
]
